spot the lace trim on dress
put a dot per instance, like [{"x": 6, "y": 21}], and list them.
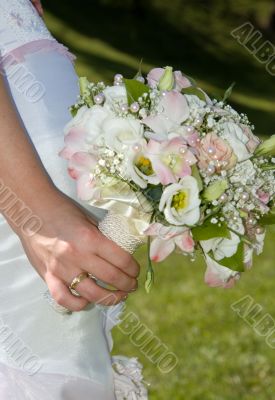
[
  {"x": 18, "y": 55},
  {"x": 127, "y": 372},
  {"x": 44, "y": 45}
]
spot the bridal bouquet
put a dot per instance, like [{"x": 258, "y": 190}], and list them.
[{"x": 173, "y": 168}]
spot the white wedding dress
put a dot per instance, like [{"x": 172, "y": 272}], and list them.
[{"x": 45, "y": 355}]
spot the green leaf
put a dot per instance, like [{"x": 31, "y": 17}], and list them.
[
  {"x": 192, "y": 90},
  {"x": 85, "y": 92},
  {"x": 210, "y": 231},
  {"x": 268, "y": 219},
  {"x": 73, "y": 110},
  {"x": 267, "y": 167},
  {"x": 228, "y": 92},
  {"x": 236, "y": 262},
  {"x": 153, "y": 193},
  {"x": 135, "y": 89},
  {"x": 215, "y": 190},
  {"x": 243, "y": 214},
  {"x": 266, "y": 148},
  {"x": 196, "y": 174}
]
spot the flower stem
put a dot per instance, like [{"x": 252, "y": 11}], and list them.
[{"x": 150, "y": 271}]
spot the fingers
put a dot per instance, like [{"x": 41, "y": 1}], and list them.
[
  {"x": 111, "y": 275},
  {"x": 88, "y": 290},
  {"x": 62, "y": 295},
  {"x": 96, "y": 294},
  {"x": 98, "y": 267},
  {"x": 115, "y": 255}
]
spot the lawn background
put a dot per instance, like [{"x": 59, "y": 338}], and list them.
[{"x": 220, "y": 356}]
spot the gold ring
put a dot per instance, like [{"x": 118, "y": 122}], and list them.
[
  {"x": 92, "y": 277},
  {"x": 79, "y": 278}
]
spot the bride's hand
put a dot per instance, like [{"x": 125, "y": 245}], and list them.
[
  {"x": 37, "y": 4},
  {"x": 67, "y": 244}
]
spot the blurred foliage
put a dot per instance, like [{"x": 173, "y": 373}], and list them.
[
  {"x": 111, "y": 36},
  {"x": 220, "y": 356}
]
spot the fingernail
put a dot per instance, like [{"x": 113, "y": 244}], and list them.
[{"x": 125, "y": 297}]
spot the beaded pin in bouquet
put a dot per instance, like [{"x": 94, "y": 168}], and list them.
[{"x": 173, "y": 168}]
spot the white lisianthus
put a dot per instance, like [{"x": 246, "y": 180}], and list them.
[
  {"x": 120, "y": 133},
  {"x": 237, "y": 140},
  {"x": 221, "y": 247},
  {"x": 90, "y": 120},
  {"x": 180, "y": 202},
  {"x": 138, "y": 166}
]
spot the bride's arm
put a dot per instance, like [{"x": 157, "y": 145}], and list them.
[
  {"x": 67, "y": 243},
  {"x": 20, "y": 167},
  {"x": 37, "y": 4}
]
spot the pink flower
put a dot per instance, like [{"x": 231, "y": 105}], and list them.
[
  {"x": 253, "y": 142},
  {"x": 263, "y": 196},
  {"x": 213, "y": 148},
  {"x": 166, "y": 239},
  {"x": 180, "y": 80},
  {"x": 170, "y": 159},
  {"x": 173, "y": 110},
  {"x": 75, "y": 140},
  {"x": 217, "y": 275},
  {"x": 80, "y": 168}
]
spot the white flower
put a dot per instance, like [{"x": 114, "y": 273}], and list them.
[
  {"x": 181, "y": 203},
  {"x": 115, "y": 96},
  {"x": 244, "y": 173},
  {"x": 259, "y": 245},
  {"x": 237, "y": 139},
  {"x": 221, "y": 247},
  {"x": 138, "y": 166},
  {"x": 80, "y": 116},
  {"x": 218, "y": 275},
  {"x": 194, "y": 102},
  {"x": 89, "y": 120},
  {"x": 120, "y": 133}
]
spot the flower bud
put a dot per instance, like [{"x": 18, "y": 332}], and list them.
[
  {"x": 215, "y": 190},
  {"x": 266, "y": 148},
  {"x": 167, "y": 79}
]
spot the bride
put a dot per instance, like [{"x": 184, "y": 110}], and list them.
[{"x": 48, "y": 240}]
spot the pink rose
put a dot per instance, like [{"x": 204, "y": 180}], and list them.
[{"x": 214, "y": 148}]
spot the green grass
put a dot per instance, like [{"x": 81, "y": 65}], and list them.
[{"x": 220, "y": 356}]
